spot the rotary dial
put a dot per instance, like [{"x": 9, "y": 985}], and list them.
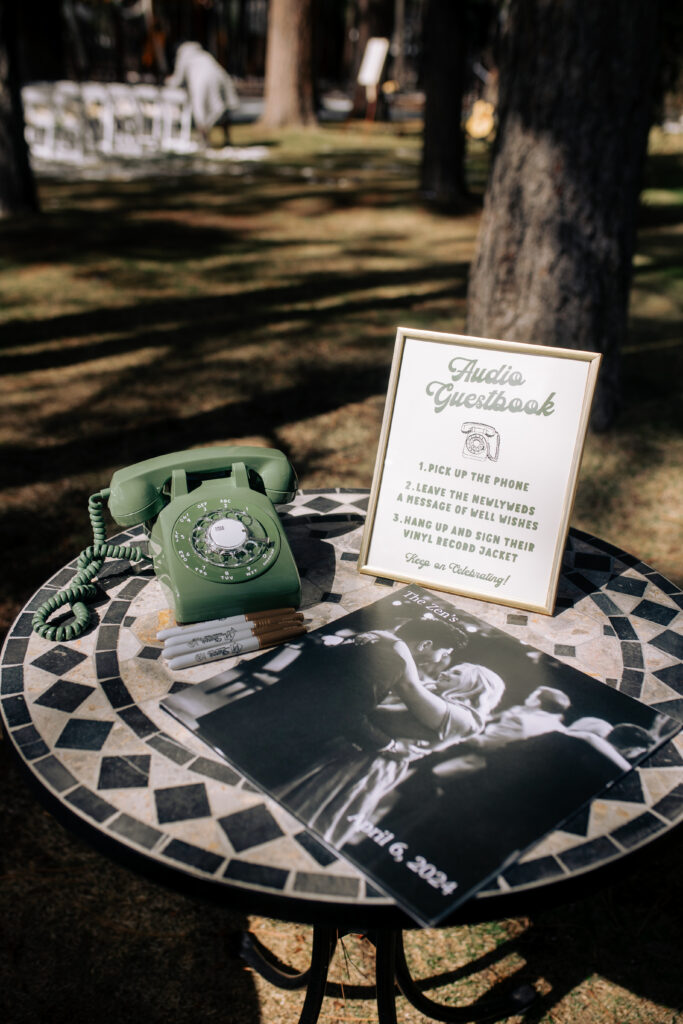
[
  {"x": 226, "y": 544},
  {"x": 229, "y": 538},
  {"x": 475, "y": 444}
]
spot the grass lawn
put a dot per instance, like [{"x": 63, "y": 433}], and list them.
[{"x": 258, "y": 303}]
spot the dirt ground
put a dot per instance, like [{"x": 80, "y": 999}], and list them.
[{"x": 257, "y": 303}]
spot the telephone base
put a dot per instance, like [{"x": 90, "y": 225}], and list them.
[
  {"x": 220, "y": 550},
  {"x": 211, "y": 609}
]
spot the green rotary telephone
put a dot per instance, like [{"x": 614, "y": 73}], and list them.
[{"x": 215, "y": 539}]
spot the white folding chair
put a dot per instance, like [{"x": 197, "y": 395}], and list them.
[
  {"x": 98, "y": 110},
  {"x": 176, "y": 132},
  {"x": 39, "y": 119},
  {"x": 127, "y": 119},
  {"x": 151, "y": 114},
  {"x": 69, "y": 121}
]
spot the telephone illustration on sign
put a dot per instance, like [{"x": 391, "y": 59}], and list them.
[
  {"x": 215, "y": 540},
  {"x": 482, "y": 442}
]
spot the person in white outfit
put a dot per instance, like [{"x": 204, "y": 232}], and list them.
[{"x": 210, "y": 87}]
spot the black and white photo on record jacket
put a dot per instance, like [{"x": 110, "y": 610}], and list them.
[{"x": 426, "y": 746}]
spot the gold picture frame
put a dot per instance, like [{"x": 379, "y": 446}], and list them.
[{"x": 477, "y": 466}]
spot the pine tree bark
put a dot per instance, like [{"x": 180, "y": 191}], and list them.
[
  {"x": 442, "y": 173},
  {"x": 553, "y": 263},
  {"x": 17, "y": 185},
  {"x": 40, "y": 28},
  {"x": 288, "y": 86}
]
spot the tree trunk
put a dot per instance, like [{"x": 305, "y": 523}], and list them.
[
  {"x": 553, "y": 263},
  {"x": 17, "y": 186},
  {"x": 442, "y": 176},
  {"x": 398, "y": 42},
  {"x": 40, "y": 41},
  {"x": 288, "y": 87}
]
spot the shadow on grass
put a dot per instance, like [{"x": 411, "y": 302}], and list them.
[
  {"x": 84, "y": 939},
  {"x": 198, "y": 319},
  {"x": 185, "y": 331},
  {"x": 628, "y": 934}
]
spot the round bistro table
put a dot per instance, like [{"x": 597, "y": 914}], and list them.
[{"x": 84, "y": 718}]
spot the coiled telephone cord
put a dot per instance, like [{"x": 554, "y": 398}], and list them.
[{"x": 82, "y": 590}]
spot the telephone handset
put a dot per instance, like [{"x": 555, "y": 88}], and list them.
[{"x": 215, "y": 539}]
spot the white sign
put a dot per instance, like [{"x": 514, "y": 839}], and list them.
[
  {"x": 477, "y": 466},
  {"x": 372, "y": 65}
]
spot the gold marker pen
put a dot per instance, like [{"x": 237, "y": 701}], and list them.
[
  {"x": 230, "y": 620},
  {"x": 177, "y": 645}
]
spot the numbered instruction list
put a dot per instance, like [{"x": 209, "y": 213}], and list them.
[
  {"x": 447, "y": 514},
  {"x": 478, "y": 506}
]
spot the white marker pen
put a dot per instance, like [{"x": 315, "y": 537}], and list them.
[
  {"x": 254, "y": 643},
  {"x": 178, "y": 645}
]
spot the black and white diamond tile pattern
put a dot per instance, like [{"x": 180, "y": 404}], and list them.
[
  {"x": 65, "y": 695},
  {"x": 129, "y": 772},
  {"x": 250, "y": 828},
  {"x": 75, "y": 714}
]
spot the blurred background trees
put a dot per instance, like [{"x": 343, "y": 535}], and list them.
[
  {"x": 565, "y": 92},
  {"x": 17, "y": 187},
  {"x": 288, "y": 85}
]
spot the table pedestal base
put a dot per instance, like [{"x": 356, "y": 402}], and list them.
[{"x": 391, "y": 973}]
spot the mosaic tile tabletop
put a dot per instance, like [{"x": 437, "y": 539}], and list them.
[{"x": 85, "y": 719}]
